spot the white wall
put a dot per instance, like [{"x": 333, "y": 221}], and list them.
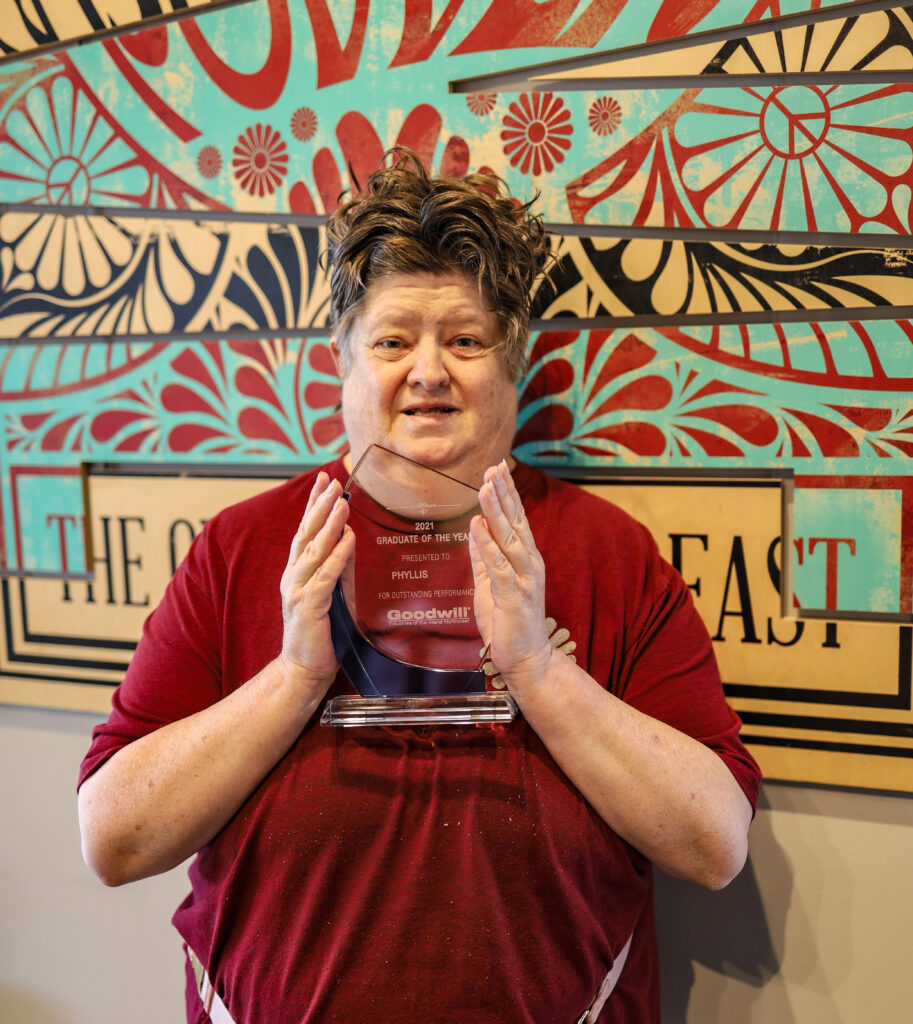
[
  {"x": 818, "y": 928},
  {"x": 71, "y": 950}
]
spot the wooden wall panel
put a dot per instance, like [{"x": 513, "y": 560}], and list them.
[{"x": 729, "y": 190}]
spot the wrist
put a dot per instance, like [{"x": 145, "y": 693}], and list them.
[
  {"x": 531, "y": 674},
  {"x": 302, "y": 683}
]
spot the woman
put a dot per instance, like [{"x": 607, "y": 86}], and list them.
[{"x": 445, "y": 873}]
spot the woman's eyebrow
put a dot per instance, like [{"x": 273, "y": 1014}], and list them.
[{"x": 400, "y": 317}]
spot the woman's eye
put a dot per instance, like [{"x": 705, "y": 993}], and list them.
[
  {"x": 466, "y": 343},
  {"x": 390, "y": 346}
]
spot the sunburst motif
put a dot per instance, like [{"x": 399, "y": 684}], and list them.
[
  {"x": 537, "y": 132},
  {"x": 604, "y": 115},
  {"x": 261, "y": 160},
  {"x": 481, "y": 103},
  {"x": 304, "y": 124},
  {"x": 209, "y": 161}
]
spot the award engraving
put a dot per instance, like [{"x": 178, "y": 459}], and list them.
[{"x": 402, "y": 618}]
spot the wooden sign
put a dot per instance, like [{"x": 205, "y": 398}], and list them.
[{"x": 821, "y": 701}]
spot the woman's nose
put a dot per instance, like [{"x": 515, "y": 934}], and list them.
[{"x": 428, "y": 369}]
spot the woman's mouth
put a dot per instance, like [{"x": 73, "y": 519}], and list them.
[{"x": 429, "y": 410}]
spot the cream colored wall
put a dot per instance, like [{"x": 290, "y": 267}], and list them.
[
  {"x": 72, "y": 951},
  {"x": 817, "y": 930}
]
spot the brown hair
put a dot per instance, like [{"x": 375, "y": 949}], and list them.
[{"x": 405, "y": 222}]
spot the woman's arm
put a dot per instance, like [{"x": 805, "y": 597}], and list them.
[
  {"x": 162, "y": 797},
  {"x": 666, "y": 793}
]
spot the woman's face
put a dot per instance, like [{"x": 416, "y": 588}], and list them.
[{"x": 426, "y": 377}]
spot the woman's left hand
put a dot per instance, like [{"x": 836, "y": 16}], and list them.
[
  {"x": 664, "y": 792},
  {"x": 509, "y": 576}
]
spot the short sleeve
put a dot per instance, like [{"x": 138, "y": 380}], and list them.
[
  {"x": 176, "y": 668},
  {"x": 672, "y": 675}
]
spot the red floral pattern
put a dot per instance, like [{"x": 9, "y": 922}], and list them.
[
  {"x": 261, "y": 160},
  {"x": 304, "y": 124},
  {"x": 317, "y": 389},
  {"x": 209, "y": 161},
  {"x": 481, "y": 103},
  {"x": 604, "y": 115},
  {"x": 363, "y": 150},
  {"x": 626, "y": 398},
  {"x": 537, "y": 132}
]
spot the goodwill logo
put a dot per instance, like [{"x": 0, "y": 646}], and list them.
[{"x": 416, "y": 617}]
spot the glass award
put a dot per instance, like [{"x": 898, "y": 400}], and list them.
[{"x": 402, "y": 619}]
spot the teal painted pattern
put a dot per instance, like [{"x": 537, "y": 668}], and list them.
[
  {"x": 198, "y": 336},
  {"x": 645, "y": 397},
  {"x": 187, "y": 116}
]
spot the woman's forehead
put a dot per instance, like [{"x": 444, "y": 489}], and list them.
[{"x": 403, "y": 298}]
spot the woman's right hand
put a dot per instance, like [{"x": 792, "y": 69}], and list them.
[
  {"x": 321, "y": 548},
  {"x": 161, "y": 798}
]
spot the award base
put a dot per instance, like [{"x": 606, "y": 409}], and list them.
[{"x": 455, "y": 709}]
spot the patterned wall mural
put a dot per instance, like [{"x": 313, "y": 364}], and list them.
[{"x": 729, "y": 187}]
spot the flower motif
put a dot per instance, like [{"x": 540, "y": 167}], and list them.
[
  {"x": 560, "y": 639},
  {"x": 209, "y": 161},
  {"x": 319, "y": 395},
  {"x": 623, "y": 399},
  {"x": 797, "y": 156},
  {"x": 304, "y": 124},
  {"x": 481, "y": 103},
  {"x": 129, "y": 276},
  {"x": 362, "y": 151},
  {"x": 68, "y": 255},
  {"x": 56, "y": 148},
  {"x": 604, "y": 115},
  {"x": 261, "y": 160},
  {"x": 537, "y": 132}
]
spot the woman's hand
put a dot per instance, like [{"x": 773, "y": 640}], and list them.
[
  {"x": 161, "y": 798},
  {"x": 320, "y": 551},
  {"x": 668, "y": 795},
  {"x": 509, "y": 577}
]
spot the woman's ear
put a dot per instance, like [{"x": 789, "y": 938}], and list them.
[{"x": 337, "y": 356}]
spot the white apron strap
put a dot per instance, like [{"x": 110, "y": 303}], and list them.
[
  {"x": 216, "y": 1010},
  {"x": 591, "y": 1013}
]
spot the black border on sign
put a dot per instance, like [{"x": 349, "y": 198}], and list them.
[
  {"x": 19, "y": 657},
  {"x": 823, "y": 745},
  {"x": 56, "y": 638},
  {"x": 900, "y": 700},
  {"x": 16, "y": 656}
]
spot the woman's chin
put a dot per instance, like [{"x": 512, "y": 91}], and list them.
[
  {"x": 435, "y": 453},
  {"x": 466, "y": 459}
]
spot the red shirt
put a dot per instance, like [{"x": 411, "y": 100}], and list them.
[{"x": 435, "y": 874}]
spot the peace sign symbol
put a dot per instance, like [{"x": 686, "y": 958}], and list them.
[
  {"x": 794, "y": 120},
  {"x": 68, "y": 182}
]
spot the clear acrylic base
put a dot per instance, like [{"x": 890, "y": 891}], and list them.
[{"x": 457, "y": 709}]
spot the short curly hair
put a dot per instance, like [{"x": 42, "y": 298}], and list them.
[{"x": 405, "y": 221}]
